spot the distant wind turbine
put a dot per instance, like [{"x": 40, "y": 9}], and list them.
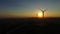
[{"x": 43, "y": 13}]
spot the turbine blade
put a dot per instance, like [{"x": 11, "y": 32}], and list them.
[
  {"x": 45, "y": 9},
  {"x": 40, "y": 9}
]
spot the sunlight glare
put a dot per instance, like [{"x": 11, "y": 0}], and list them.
[{"x": 40, "y": 14}]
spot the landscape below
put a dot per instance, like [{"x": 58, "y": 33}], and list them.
[{"x": 31, "y": 25}]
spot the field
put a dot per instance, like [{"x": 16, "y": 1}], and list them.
[{"x": 29, "y": 25}]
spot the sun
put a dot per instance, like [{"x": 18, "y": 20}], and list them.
[{"x": 39, "y": 14}]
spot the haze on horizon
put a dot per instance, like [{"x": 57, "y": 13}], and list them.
[{"x": 28, "y": 8}]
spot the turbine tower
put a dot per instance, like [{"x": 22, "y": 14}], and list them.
[{"x": 43, "y": 14}]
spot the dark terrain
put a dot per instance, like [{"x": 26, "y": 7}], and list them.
[{"x": 29, "y": 26}]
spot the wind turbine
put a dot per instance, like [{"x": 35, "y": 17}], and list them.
[{"x": 43, "y": 14}]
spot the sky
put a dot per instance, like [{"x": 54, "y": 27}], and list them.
[{"x": 28, "y": 8}]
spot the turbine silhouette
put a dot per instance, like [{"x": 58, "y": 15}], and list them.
[{"x": 43, "y": 14}]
